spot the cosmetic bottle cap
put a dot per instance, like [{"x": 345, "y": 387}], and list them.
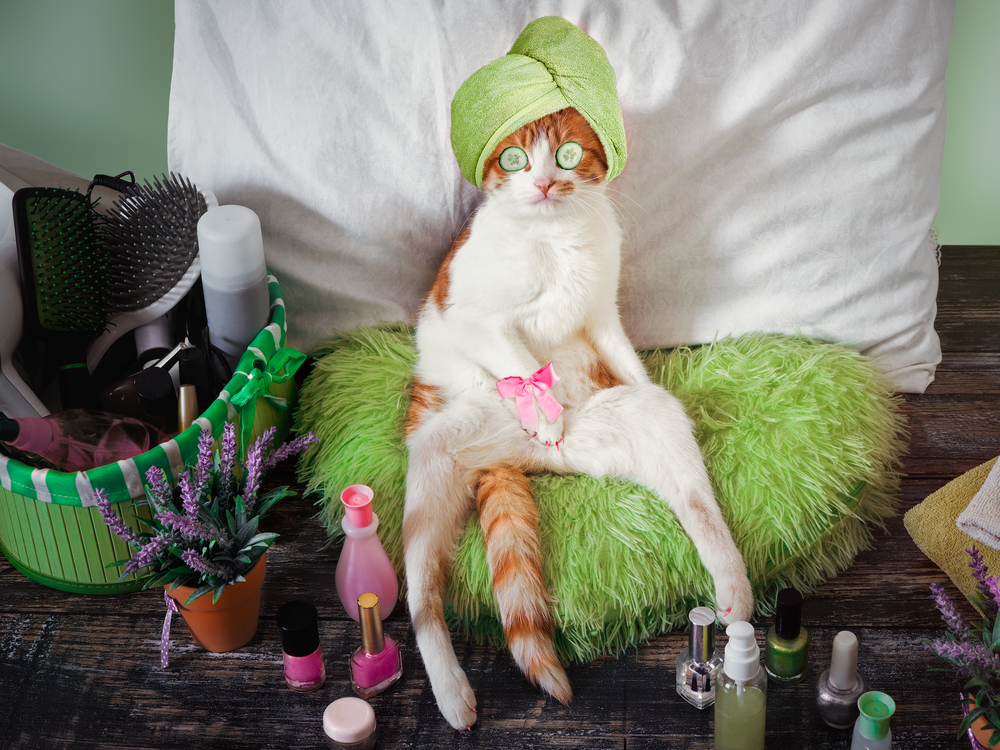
[
  {"x": 844, "y": 661},
  {"x": 370, "y": 617},
  {"x": 193, "y": 370},
  {"x": 876, "y": 710},
  {"x": 349, "y": 720},
  {"x": 187, "y": 407},
  {"x": 231, "y": 248},
  {"x": 701, "y": 639},
  {"x": 154, "y": 388},
  {"x": 742, "y": 653},
  {"x": 788, "y": 616},
  {"x": 299, "y": 628},
  {"x": 28, "y": 434},
  {"x": 357, "y": 500},
  {"x": 9, "y": 430}
]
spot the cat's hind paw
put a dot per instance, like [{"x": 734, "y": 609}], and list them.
[{"x": 457, "y": 701}]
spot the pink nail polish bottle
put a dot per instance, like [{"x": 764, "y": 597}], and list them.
[
  {"x": 302, "y": 656},
  {"x": 377, "y": 664},
  {"x": 363, "y": 566}
]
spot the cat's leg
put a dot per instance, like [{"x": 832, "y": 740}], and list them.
[
  {"x": 509, "y": 519},
  {"x": 642, "y": 433},
  {"x": 438, "y": 501}
]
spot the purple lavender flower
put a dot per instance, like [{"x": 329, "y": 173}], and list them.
[
  {"x": 994, "y": 587},
  {"x": 979, "y": 572},
  {"x": 113, "y": 521},
  {"x": 199, "y": 564},
  {"x": 190, "y": 528},
  {"x": 969, "y": 658},
  {"x": 255, "y": 466},
  {"x": 189, "y": 495},
  {"x": 946, "y": 607},
  {"x": 227, "y": 456},
  {"x": 147, "y": 555},
  {"x": 289, "y": 449},
  {"x": 206, "y": 461},
  {"x": 156, "y": 480}
]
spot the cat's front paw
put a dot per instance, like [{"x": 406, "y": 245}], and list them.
[
  {"x": 456, "y": 699},
  {"x": 550, "y": 435},
  {"x": 734, "y": 598}
]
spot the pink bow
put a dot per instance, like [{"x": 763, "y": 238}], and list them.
[{"x": 527, "y": 393}]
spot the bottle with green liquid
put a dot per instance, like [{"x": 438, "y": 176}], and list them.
[{"x": 741, "y": 695}]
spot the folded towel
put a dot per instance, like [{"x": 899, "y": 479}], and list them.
[
  {"x": 552, "y": 65},
  {"x": 932, "y": 526},
  {"x": 981, "y": 519}
]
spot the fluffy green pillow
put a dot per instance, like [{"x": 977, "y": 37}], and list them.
[{"x": 801, "y": 438}]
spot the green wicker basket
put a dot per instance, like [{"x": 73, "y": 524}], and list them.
[{"x": 50, "y": 529}]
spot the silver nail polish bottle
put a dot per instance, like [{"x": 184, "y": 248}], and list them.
[
  {"x": 698, "y": 664},
  {"x": 840, "y": 686}
]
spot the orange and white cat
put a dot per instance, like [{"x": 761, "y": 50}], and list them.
[{"x": 532, "y": 279}]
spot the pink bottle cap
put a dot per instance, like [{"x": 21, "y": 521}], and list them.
[{"x": 357, "y": 500}]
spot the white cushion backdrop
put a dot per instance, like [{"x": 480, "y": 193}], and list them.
[{"x": 783, "y": 169}]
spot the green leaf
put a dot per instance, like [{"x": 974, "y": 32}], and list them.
[
  {"x": 995, "y": 737},
  {"x": 266, "y": 536},
  {"x": 219, "y": 590},
  {"x": 977, "y": 681},
  {"x": 198, "y": 592},
  {"x": 970, "y": 720}
]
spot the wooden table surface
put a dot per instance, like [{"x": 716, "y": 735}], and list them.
[{"x": 83, "y": 671}]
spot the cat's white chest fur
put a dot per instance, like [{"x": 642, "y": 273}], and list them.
[{"x": 540, "y": 277}]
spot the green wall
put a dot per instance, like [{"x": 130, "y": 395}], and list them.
[{"x": 86, "y": 84}]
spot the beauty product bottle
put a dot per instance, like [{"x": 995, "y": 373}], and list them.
[
  {"x": 741, "y": 695},
  {"x": 301, "y": 653},
  {"x": 80, "y": 439},
  {"x": 840, "y": 686},
  {"x": 786, "y": 651},
  {"x": 871, "y": 730},
  {"x": 698, "y": 664},
  {"x": 363, "y": 566},
  {"x": 234, "y": 277},
  {"x": 349, "y": 724},
  {"x": 377, "y": 664}
]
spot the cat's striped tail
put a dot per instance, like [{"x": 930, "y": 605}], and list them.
[{"x": 509, "y": 520}]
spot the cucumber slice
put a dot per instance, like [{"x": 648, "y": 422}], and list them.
[
  {"x": 569, "y": 155},
  {"x": 513, "y": 159}
]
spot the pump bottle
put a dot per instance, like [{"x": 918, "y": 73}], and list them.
[{"x": 741, "y": 696}]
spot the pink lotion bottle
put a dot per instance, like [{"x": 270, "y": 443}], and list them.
[
  {"x": 377, "y": 664},
  {"x": 363, "y": 566}
]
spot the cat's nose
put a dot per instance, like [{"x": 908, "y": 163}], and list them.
[{"x": 543, "y": 184}]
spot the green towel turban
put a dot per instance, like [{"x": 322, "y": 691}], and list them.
[{"x": 552, "y": 65}]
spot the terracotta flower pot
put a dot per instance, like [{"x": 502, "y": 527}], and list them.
[
  {"x": 980, "y": 732},
  {"x": 232, "y": 621}
]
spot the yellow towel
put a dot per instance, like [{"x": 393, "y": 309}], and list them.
[{"x": 932, "y": 526}]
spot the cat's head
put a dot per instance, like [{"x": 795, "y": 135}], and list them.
[{"x": 539, "y": 168}]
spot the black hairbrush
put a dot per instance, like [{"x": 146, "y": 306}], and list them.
[{"x": 62, "y": 281}]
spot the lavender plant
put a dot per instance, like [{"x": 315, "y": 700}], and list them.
[
  {"x": 972, "y": 650},
  {"x": 204, "y": 530}
]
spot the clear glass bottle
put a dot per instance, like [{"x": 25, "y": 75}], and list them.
[
  {"x": 741, "y": 695},
  {"x": 377, "y": 664},
  {"x": 80, "y": 439},
  {"x": 786, "y": 651},
  {"x": 698, "y": 664},
  {"x": 871, "y": 730}
]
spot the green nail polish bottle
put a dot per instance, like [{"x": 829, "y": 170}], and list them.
[{"x": 786, "y": 652}]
